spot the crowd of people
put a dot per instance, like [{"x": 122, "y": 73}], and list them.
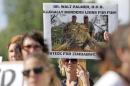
[
  {"x": 31, "y": 49},
  {"x": 39, "y": 71}
]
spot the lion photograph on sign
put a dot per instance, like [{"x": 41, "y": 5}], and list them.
[
  {"x": 74, "y": 30},
  {"x": 79, "y": 33}
]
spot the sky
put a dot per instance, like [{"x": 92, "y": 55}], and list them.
[{"x": 3, "y": 17}]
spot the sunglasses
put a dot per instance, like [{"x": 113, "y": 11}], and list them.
[
  {"x": 70, "y": 60},
  {"x": 36, "y": 70}
]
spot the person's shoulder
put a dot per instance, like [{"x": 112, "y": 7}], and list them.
[{"x": 110, "y": 78}]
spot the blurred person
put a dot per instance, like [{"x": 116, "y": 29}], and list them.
[
  {"x": 38, "y": 71},
  {"x": 32, "y": 42},
  {"x": 89, "y": 25},
  {"x": 73, "y": 71},
  {"x": 104, "y": 63},
  {"x": 14, "y": 51},
  {"x": 118, "y": 53},
  {"x": 69, "y": 29}
]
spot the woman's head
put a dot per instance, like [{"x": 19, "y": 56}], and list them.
[
  {"x": 68, "y": 65},
  {"x": 14, "y": 51},
  {"x": 38, "y": 70},
  {"x": 117, "y": 52},
  {"x": 120, "y": 44},
  {"x": 33, "y": 42}
]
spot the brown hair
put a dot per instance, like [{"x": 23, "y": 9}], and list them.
[
  {"x": 36, "y": 36},
  {"x": 15, "y": 39}
]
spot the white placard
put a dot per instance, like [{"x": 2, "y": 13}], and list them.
[
  {"x": 66, "y": 43},
  {"x": 11, "y": 74}
]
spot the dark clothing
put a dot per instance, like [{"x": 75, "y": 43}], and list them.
[
  {"x": 63, "y": 82},
  {"x": 91, "y": 28}
]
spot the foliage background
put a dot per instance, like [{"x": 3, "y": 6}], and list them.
[{"x": 25, "y": 16}]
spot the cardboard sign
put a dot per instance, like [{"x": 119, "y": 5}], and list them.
[
  {"x": 75, "y": 30},
  {"x": 11, "y": 74}
]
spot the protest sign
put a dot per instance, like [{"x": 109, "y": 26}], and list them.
[
  {"x": 75, "y": 30},
  {"x": 11, "y": 74}
]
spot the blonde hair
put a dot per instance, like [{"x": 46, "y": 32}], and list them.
[
  {"x": 62, "y": 69},
  {"x": 43, "y": 57}
]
